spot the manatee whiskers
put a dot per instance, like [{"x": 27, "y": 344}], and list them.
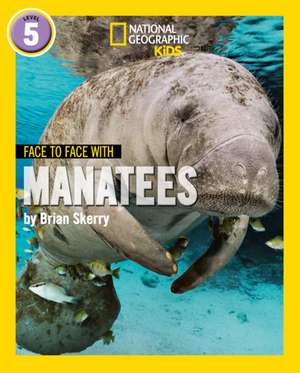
[
  {"x": 233, "y": 204},
  {"x": 228, "y": 237}
]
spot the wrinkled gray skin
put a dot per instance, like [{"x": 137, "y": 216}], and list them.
[{"x": 199, "y": 110}]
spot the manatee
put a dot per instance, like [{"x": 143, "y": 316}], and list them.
[{"x": 198, "y": 110}]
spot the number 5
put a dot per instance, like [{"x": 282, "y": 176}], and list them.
[{"x": 33, "y": 36}]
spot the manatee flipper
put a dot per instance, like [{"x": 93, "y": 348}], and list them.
[
  {"x": 127, "y": 236},
  {"x": 227, "y": 240}
]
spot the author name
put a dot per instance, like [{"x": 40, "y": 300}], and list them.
[{"x": 76, "y": 218}]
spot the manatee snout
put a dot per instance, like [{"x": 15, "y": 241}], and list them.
[{"x": 238, "y": 177}]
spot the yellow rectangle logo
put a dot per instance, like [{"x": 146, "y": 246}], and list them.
[{"x": 116, "y": 41}]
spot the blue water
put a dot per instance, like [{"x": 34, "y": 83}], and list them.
[
  {"x": 42, "y": 84},
  {"x": 240, "y": 310},
  {"x": 257, "y": 43}
]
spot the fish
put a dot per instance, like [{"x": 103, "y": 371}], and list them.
[
  {"x": 52, "y": 292},
  {"x": 108, "y": 337},
  {"x": 90, "y": 276},
  {"x": 26, "y": 229},
  {"x": 101, "y": 269},
  {"x": 257, "y": 225},
  {"x": 40, "y": 232},
  {"x": 28, "y": 251},
  {"x": 99, "y": 283},
  {"x": 33, "y": 241},
  {"x": 275, "y": 243},
  {"x": 35, "y": 260},
  {"x": 20, "y": 193},
  {"x": 61, "y": 270},
  {"x": 178, "y": 249},
  {"x": 35, "y": 210},
  {"x": 80, "y": 316}
]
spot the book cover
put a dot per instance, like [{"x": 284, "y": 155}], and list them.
[{"x": 148, "y": 181}]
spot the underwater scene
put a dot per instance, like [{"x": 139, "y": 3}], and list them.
[{"x": 238, "y": 311}]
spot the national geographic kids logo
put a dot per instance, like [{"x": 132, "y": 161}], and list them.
[{"x": 164, "y": 38}]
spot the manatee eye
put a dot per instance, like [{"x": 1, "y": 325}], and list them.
[{"x": 185, "y": 112}]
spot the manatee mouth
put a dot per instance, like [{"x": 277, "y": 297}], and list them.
[
  {"x": 234, "y": 204},
  {"x": 228, "y": 236}
]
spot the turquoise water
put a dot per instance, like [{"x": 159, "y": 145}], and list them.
[
  {"x": 257, "y": 43},
  {"x": 240, "y": 310},
  {"x": 42, "y": 84}
]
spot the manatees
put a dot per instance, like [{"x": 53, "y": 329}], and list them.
[{"x": 199, "y": 110}]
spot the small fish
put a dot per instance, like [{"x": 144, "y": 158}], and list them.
[
  {"x": 28, "y": 251},
  {"x": 80, "y": 316},
  {"x": 275, "y": 243},
  {"x": 257, "y": 225},
  {"x": 35, "y": 210},
  {"x": 178, "y": 249},
  {"x": 224, "y": 226},
  {"x": 90, "y": 276},
  {"x": 101, "y": 269},
  {"x": 108, "y": 337},
  {"x": 20, "y": 193},
  {"x": 35, "y": 260},
  {"x": 99, "y": 283},
  {"x": 33, "y": 241},
  {"x": 40, "y": 232},
  {"x": 52, "y": 292},
  {"x": 26, "y": 229},
  {"x": 61, "y": 270}
]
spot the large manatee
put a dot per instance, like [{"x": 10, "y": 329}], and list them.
[{"x": 197, "y": 110}]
